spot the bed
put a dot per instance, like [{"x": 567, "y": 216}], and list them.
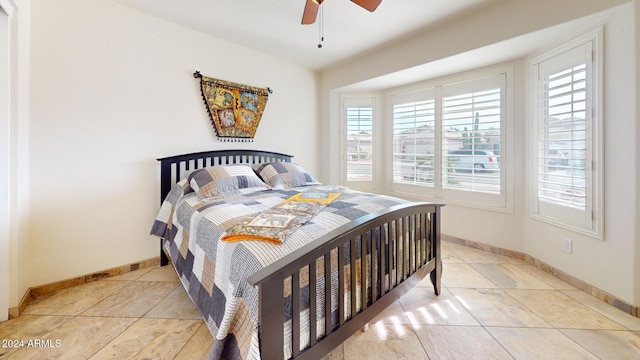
[{"x": 302, "y": 294}]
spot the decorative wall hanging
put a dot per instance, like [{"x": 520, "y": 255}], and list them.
[{"x": 235, "y": 109}]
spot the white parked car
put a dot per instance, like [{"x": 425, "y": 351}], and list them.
[{"x": 469, "y": 160}]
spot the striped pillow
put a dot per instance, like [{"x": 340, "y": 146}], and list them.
[
  {"x": 283, "y": 175},
  {"x": 225, "y": 180}
]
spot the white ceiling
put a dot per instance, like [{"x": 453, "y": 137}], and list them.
[{"x": 273, "y": 26}]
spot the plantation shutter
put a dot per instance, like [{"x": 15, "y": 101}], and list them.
[
  {"x": 472, "y": 118},
  {"x": 414, "y": 139},
  {"x": 359, "y": 135}
]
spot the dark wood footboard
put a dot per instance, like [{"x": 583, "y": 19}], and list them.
[{"x": 400, "y": 245}]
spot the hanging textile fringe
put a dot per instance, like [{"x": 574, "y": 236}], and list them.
[
  {"x": 234, "y": 109},
  {"x": 234, "y": 139}
]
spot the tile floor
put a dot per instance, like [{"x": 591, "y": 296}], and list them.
[{"x": 491, "y": 307}]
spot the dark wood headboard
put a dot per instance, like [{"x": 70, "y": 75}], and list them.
[{"x": 174, "y": 168}]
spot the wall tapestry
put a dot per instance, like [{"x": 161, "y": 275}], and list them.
[{"x": 235, "y": 109}]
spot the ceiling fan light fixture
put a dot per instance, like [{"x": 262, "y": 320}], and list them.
[{"x": 311, "y": 8}]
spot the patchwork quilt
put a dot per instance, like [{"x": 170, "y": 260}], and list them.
[{"x": 215, "y": 272}]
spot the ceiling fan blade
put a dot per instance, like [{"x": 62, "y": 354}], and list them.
[
  {"x": 370, "y": 5},
  {"x": 310, "y": 12}
]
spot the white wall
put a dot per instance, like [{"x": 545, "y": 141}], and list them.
[
  {"x": 112, "y": 90},
  {"x": 610, "y": 264}
]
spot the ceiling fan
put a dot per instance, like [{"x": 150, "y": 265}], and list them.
[{"x": 311, "y": 8}]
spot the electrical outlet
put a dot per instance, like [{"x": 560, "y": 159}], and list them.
[{"x": 566, "y": 245}]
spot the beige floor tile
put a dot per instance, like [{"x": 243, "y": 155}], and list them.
[
  {"x": 494, "y": 307},
  {"x": 384, "y": 341},
  {"x": 477, "y": 256},
  {"x": 508, "y": 276},
  {"x": 608, "y": 344},
  {"x": 131, "y": 275},
  {"x": 18, "y": 332},
  {"x": 449, "y": 245},
  {"x": 629, "y": 321},
  {"x": 73, "y": 301},
  {"x": 393, "y": 314},
  {"x": 150, "y": 339},
  {"x": 79, "y": 338},
  {"x": 133, "y": 300},
  {"x": 545, "y": 277},
  {"x": 177, "y": 305},
  {"x": 335, "y": 354},
  {"x": 535, "y": 344},
  {"x": 561, "y": 311},
  {"x": 429, "y": 309},
  {"x": 462, "y": 276},
  {"x": 460, "y": 343},
  {"x": 198, "y": 347},
  {"x": 161, "y": 273},
  {"x": 449, "y": 255},
  {"x": 30, "y": 325}
]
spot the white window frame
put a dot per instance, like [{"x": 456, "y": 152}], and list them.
[
  {"x": 590, "y": 220},
  {"x": 6, "y": 13},
  {"x": 502, "y": 202},
  {"x": 358, "y": 100}
]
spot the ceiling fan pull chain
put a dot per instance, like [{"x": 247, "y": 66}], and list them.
[{"x": 321, "y": 25}]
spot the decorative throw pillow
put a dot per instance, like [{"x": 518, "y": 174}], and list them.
[
  {"x": 282, "y": 175},
  {"x": 225, "y": 180}
]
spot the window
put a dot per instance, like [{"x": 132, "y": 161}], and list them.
[
  {"x": 358, "y": 141},
  {"x": 567, "y": 138},
  {"x": 448, "y": 140},
  {"x": 471, "y": 123},
  {"x": 414, "y": 139}
]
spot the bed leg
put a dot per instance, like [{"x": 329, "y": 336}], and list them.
[
  {"x": 436, "y": 274},
  {"x": 164, "y": 259}
]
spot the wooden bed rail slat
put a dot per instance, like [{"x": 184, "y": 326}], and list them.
[
  {"x": 398, "y": 252},
  {"x": 375, "y": 268},
  {"x": 364, "y": 273},
  {"x": 353, "y": 277},
  {"x": 295, "y": 309},
  {"x": 383, "y": 262},
  {"x": 411, "y": 236},
  {"x": 327, "y": 293},
  {"x": 313, "y": 320},
  {"x": 390, "y": 259},
  {"x": 342, "y": 306}
]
